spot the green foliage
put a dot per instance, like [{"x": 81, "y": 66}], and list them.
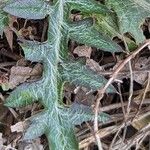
[
  {"x": 128, "y": 16},
  {"x": 91, "y": 36},
  {"x": 29, "y": 9},
  {"x": 87, "y": 6},
  {"x": 79, "y": 74},
  {"x": 3, "y": 16},
  {"x": 80, "y": 113},
  {"x": 56, "y": 121}
]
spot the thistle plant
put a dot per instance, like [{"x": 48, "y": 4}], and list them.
[{"x": 56, "y": 120}]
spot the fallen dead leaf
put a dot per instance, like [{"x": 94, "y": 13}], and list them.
[
  {"x": 18, "y": 75},
  {"x": 83, "y": 51},
  {"x": 93, "y": 65},
  {"x": 142, "y": 64},
  {"x": 34, "y": 145},
  {"x": 9, "y": 36},
  {"x": 36, "y": 72},
  {"x": 18, "y": 127},
  {"x": 8, "y": 31}
]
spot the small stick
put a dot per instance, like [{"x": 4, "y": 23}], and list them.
[{"x": 121, "y": 99}]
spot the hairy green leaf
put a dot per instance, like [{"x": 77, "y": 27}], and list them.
[
  {"x": 79, "y": 74},
  {"x": 3, "y": 16},
  {"x": 83, "y": 32},
  {"x": 131, "y": 15},
  {"x": 62, "y": 137},
  {"x": 88, "y": 6},
  {"x": 38, "y": 126},
  {"x": 91, "y": 37},
  {"x": 108, "y": 24},
  {"x": 32, "y": 50},
  {"x": 29, "y": 9},
  {"x": 35, "y": 130},
  {"x": 55, "y": 126},
  {"x": 22, "y": 96},
  {"x": 80, "y": 113}
]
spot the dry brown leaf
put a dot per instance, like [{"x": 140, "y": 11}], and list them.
[
  {"x": 18, "y": 127},
  {"x": 75, "y": 17},
  {"x": 34, "y": 145},
  {"x": 9, "y": 147},
  {"x": 93, "y": 65},
  {"x": 142, "y": 64},
  {"x": 22, "y": 62},
  {"x": 9, "y": 36},
  {"x": 8, "y": 31},
  {"x": 36, "y": 72},
  {"x": 83, "y": 51},
  {"x": 18, "y": 75}
]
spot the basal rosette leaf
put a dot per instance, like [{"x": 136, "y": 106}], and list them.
[
  {"x": 84, "y": 32},
  {"x": 58, "y": 129},
  {"x": 3, "y": 16},
  {"x": 88, "y": 6},
  {"x": 79, "y": 113},
  {"x": 58, "y": 125},
  {"x": 92, "y": 37},
  {"x": 22, "y": 96},
  {"x": 35, "y": 130},
  {"x": 61, "y": 134},
  {"x": 131, "y": 15},
  {"x": 35, "y": 51},
  {"x": 87, "y": 36},
  {"x": 38, "y": 126},
  {"x": 3, "y": 21},
  {"x": 29, "y": 9},
  {"x": 108, "y": 24},
  {"x": 79, "y": 74}
]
